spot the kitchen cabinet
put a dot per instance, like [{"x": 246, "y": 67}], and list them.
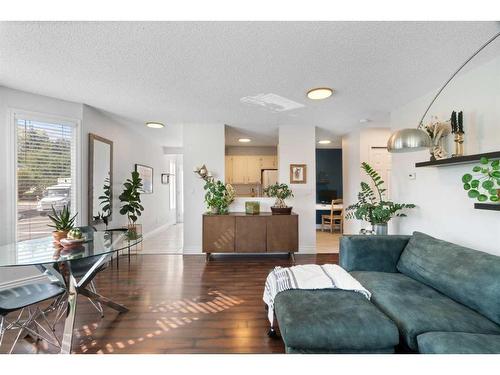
[
  {"x": 268, "y": 162},
  {"x": 247, "y": 169}
]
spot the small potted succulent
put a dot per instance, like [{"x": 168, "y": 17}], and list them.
[
  {"x": 486, "y": 184},
  {"x": 280, "y": 192},
  {"x": 62, "y": 223}
]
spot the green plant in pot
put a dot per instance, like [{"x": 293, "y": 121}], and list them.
[
  {"x": 62, "y": 222},
  {"x": 218, "y": 196},
  {"x": 485, "y": 185},
  {"x": 130, "y": 199},
  {"x": 372, "y": 206},
  {"x": 280, "y": 192}
]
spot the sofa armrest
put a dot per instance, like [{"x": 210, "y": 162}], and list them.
[{"x": 371, "y": 253}]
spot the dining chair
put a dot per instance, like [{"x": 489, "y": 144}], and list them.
[
  {"x": 24, "y": 300},
  {"x": 335, "y": 218}
]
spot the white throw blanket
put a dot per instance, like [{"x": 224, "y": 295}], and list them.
[{"x": 311, "y": 276}]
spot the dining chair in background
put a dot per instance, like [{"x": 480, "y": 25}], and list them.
[{"x": 335, "y": 218}]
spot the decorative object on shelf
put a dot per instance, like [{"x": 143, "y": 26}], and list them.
[
  {"x": 457, "y": 128},
  {"x": 165, "y": 178},
  {"x": 298, "y": 173},
  {"x": 146, "y": 176},
  {"x": 218, "y": 196},
  {"x": 366, "y": 232},
  {"x": 62, "y": 223},
  {"x": 105, "y": 202},
  {"x": 438, "y": 131},
  {"x": 131, "y": 201},
  {"x": 280, "y": 192},
  {"x": 252, "y": 208},
  {"x": 486, "y": 183},
  {"x": 415, "y": 139},
  {"x": 203, "y": 172},
  {"x": 372, "y": 206}
]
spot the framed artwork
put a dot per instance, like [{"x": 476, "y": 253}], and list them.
[
  {"x": 298, "y": 173},
  {"x": 165, "y": 178},
  {"x": 146, "y": 174}
]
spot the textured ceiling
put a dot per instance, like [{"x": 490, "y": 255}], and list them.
[{"x": 187, "y": 72}]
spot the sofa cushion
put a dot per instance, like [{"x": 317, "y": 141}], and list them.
[
  {"x": 468, "y": 276},
  {"x": 458, "y": 343},
  {"x": 333, "y": 321},
  {"x": 417, "y": 308}
]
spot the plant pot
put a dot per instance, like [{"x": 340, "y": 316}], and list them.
[
  {"x": 58, "y": 235},
  {"x": 281, "y": 210},
  {"x": 380, "y": 229}
]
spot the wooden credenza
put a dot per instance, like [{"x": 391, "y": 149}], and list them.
[{"x": 238, "y": 232}]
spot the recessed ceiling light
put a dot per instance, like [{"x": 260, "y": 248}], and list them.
[
  {"x": 154, "y": 125},
  {"x": 364, "y": 120},
  {"x": 244, "y": 140},
  {"x": 324, "y": 142},
  {"x": 319, "y": 93}
]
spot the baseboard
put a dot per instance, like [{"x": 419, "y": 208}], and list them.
[{"x": 25, "y": 280}]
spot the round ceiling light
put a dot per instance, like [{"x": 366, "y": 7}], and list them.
[
  {"x": 324, "y": 142},
  {"x": 244, "y": 140},
  {"x": 154, "y": 125},
  {"x": 319, "y": 93}
]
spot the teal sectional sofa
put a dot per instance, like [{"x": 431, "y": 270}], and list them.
[{"x": 438, "y": 297}]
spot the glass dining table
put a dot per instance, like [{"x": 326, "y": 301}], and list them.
[{"x": 56, "y": 261}]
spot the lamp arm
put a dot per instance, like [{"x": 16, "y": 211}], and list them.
[{"x": 420, "y": 124}]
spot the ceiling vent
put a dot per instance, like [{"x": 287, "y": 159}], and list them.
[{"x": 271, "y": 102}]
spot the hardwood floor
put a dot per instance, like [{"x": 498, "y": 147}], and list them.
[
  {"x": 180, "y": 304},
  {"x": 327, "y": 242}
]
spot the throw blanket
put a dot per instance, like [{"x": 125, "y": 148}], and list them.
[{"x": 311, "y": 276}]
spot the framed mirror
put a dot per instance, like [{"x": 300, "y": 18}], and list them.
[{"x": 100, "y": 191}]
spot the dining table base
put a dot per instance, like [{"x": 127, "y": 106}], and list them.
[{"x": 64, "y": 276}]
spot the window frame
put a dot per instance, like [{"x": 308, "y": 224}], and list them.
[{"x": 16, "y": 114}]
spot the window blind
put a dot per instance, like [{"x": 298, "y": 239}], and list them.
[{"x": 45, "y": 175}]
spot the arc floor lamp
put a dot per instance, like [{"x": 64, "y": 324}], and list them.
[{"x": 415, "y": 139}]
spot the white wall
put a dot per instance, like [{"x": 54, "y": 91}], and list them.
[
  {"x": 297, "y": 145},
  {"x": 356, "y": 148},
  {"x": 203, "y": 144},
  {"x": 444, "y": 210},
  {"x": 129, "y": 148}
]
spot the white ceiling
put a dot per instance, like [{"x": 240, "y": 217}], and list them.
[{"x": 189, "y": 72}]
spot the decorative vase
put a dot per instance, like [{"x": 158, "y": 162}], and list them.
[
  {"x": 380, "y": 229},
  {"x": 281, "y": 210},
  {"x": 58, "y": 235}
]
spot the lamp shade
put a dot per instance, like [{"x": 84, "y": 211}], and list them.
[{"x": 406, "y": 140}]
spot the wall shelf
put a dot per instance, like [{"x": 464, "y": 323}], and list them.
[
  {"x": 487, "y": 206},
  {"x": 466, "y": 159}
]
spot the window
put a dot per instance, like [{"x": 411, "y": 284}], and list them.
[{"x": 46, "y": 171}]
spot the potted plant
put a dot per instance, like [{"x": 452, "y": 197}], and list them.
[
  {"x": 372, "y": 206},
  {"x": 280, "y": 192},
  {"x": 218, "y": 196},
  {"x": 486, "y": 184},
  {"x": 131, "y": 202},
  {"x": 62, "y": 223}
]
